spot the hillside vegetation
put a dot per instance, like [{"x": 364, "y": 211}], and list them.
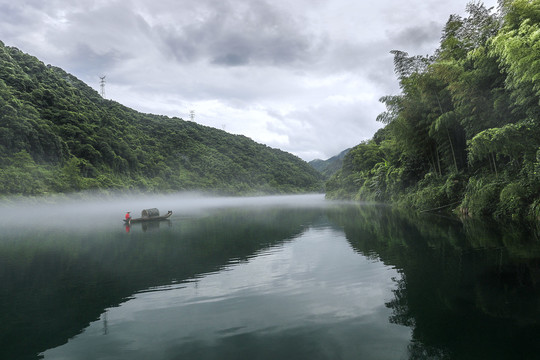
[
  {"x": 330, "y": 166},
  {"x": 464, "y": 133},
  {"x": 58, "y": 135}
]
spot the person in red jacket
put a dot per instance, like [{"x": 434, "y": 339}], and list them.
[{"x": 128, "y": 217}]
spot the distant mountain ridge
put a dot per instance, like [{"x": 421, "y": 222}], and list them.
[
  {"x": 59, "y": 135},
  {"x": 329, "y": 167}
]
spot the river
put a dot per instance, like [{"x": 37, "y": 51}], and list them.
[{"x": 290, "y": 277}]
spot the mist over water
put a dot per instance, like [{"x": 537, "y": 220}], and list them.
[
  {"x": 76, "y": 211},
  {"x": 272, "y": 277}
]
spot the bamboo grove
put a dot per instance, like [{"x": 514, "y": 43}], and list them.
[{"x": 464, "y": 133}]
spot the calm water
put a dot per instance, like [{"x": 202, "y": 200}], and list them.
[{"x": 263, "y": 278}]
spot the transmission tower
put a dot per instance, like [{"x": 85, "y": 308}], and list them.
[
  {"x": 102, "y": 85},
  {"x": 192, "y": 115}
]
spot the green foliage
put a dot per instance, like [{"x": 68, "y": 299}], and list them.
[
  {"x": 435, "y": 193},
  {"x": 482, "y": 196},
  {"x": 58, "y": 135},
  {"x": 513, "y": 200},
  {"x": 518, "y": 47},
  {"x": 329, "y": 167},
  {"x": 512, "y": 140},
  {"x": 465, "y": 131},
  {"x": 21, "y": 175}
]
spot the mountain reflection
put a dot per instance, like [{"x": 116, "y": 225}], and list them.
[
  {"x": 54, "y": 283},
  {"x": 468, "y": 290}
]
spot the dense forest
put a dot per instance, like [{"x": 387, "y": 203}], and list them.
[
  {"x": 59, "y": 135},
  {"x": 464, "y": 133}
]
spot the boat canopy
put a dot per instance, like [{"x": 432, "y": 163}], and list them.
[{"x": 150, "y": 212}]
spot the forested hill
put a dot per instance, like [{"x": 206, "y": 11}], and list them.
[
  {"x": 330, "y": 166},
  {"x": 464, "y": 133},
  {"x": 59, "y": 135}
]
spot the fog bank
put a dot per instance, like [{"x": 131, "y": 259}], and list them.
[{"x": 83, "y": 210}]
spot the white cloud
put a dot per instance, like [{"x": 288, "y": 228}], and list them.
[{"x": 304, "y": 76}]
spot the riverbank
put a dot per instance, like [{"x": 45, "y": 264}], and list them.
[{"x": 500, "y": 198}]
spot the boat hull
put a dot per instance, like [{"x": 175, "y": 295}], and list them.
[{"x": 148, "y": 218}]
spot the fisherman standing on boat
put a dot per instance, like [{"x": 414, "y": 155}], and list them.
[{"x": 128, "y": 217}]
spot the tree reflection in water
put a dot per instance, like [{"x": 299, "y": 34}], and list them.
[{"x": 469, "y": 290}]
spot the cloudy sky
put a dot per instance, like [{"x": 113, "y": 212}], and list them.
[{"x": 304, "y": 76}]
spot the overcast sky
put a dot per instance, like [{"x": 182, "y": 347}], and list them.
[{"x": 304, "y": 76}]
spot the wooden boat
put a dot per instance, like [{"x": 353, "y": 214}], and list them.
[{"x": 149, "y": 215}]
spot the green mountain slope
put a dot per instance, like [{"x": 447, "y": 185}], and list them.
[
  {"x": 58, "y": 135},
  {"x": 330, "y": 166}
]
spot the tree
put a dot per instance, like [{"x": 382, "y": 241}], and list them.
[{"x": 518, "y": 48}]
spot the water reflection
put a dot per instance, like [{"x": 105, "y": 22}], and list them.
[
  {"x": 147, "y": 226},
  {"x": 468, "y": 290},
  {"x": 310, "y": 297},
  {"x": 56, "y": 281},
  {"x": 328, "y": 281}
]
